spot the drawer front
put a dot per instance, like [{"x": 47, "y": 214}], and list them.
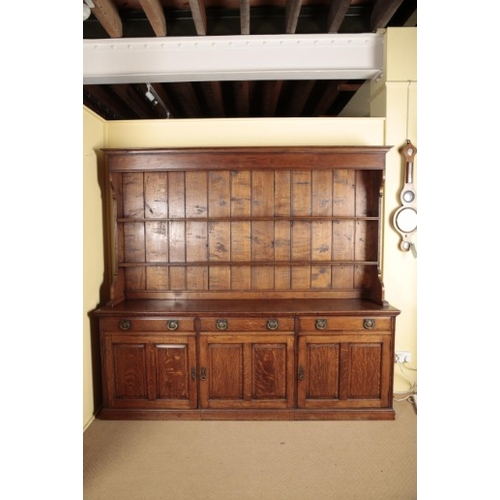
[
  {"x": 135, "y": 325},
  {"x": 261, "y": 324},
  {"x": 344, "y": 323}
]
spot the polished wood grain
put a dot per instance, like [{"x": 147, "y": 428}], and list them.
[{"x": 246, "y": 284}]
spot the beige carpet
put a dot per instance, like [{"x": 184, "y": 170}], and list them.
[{"x": 221, "y": 460}]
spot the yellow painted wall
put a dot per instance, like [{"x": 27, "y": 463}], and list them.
[
  {"x": 94, "y": 135},
  {"x": 399, "y": 270},
  {"x": 400, "y": 102},
  {"x": 246, "y": 132}
]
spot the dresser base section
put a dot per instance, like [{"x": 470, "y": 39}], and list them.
[{"x": 292, "y": 414}]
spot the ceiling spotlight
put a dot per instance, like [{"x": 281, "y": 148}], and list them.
[{"x": 155, "y": 99}]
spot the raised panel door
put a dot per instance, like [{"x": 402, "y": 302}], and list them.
[
  {"x": 146, "y": 372},
  {"x": 351, "y": 370},
  {"x": 246, "y": 371}
]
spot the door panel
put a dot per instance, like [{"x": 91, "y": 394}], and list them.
[{"x": 246, "y": 371}]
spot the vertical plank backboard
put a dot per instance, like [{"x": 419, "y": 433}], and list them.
[
  {"x": 157, "y": 278},
  {"x": 282, "y": 229},
  {"x": 343, "y": 250},
  {"x": 241, "y": 206},
  {"x": 134, "y": 232},
  {"x": 155, "y": 195},
  {"x": 241, "y": 193},
  {"x": 301, "y": 230},
  {"x": 264, "y": 221},
  {"x": 241, "y": 234},
  {"x": 156, "y": 231},
  {"x": 322, "y": 193},
  {"x": 364, "y": 276},
  {"x": 156, "y": 240},
  {"x": 196, "y": 251},
  {"x": 366, "y": 240},
  {"x": 301, "y": 193},
  {"x": 133, "y": 195},
  {"x": 177, "y": 229},
  {"x": 177, "y": 252},
  {"x": 219, "y": 238},
  {"x": 196, "y": 194},
  {"x": 133, "y": 235},
  {"x": 177, "y": 237},
  {"x": 321, "y": 276},
  {"x": 322, "y": 206},
  {"x": 368, "y": 184},
  {"x": 344, "y": 195},
  {"x": 262, "y": 250},
  {"x": 196, "y": 232},
  {"x": 135, "y": 278},
  {"x": 262, "y": 231}
]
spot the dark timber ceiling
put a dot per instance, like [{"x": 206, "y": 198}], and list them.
[{"x": 233, "y": 99}]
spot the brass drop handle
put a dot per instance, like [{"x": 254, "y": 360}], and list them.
[
  {"x": 301, "y": 373},
  {"x": 221, "y": 324},
  {"x": 369, "y": 324},
  {"x": 173, "y": 324},
  {"x": 193, "y": 373},
  {"x": 272, "y": 324},
  {"x": 125, "y": 324},
  {"x": 203, "y": 373},
  {"x": 321, "y": 324}
]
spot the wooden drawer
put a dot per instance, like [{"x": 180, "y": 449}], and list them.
[
  {"x": 343, "y": 323},
  {"x": 261, "y": 324},
  {"x": 163, "y": 325}
]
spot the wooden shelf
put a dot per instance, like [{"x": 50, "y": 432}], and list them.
[{"x": 242, "y": 219}]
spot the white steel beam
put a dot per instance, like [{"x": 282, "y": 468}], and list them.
[{"x": 241, "y": 57}]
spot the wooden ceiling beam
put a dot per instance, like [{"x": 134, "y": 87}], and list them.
[
  {"x": 292, "y": 12},
  {"x": 106, "y": 13},
  {"x": 129, "y": 95},
  {"x": 327, "y": 99},
  {"x": 103, "y": 98},
  {"x": 245, "y": 17},
  {"x": 187, "y": 99},
  {"x": 154, "y": 12},
  {"x": 199, "y": 14},
  {"x": 301, "y": 94},
  {"x": 336, "y": 14},
  {"x": 242, "y": 99},
  {"x": 165, "y": 97},
  {"x": 212, "y": 98},
  {"x": 271, "y": 91},
  {"x": 383, "y": 10},
  {"x": 411, "y": 21},
  {"x": 218, "y": 98},
  {"x": 349, "y": 87}
]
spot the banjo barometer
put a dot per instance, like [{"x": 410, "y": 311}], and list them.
[{"x": 405, "y": 218}]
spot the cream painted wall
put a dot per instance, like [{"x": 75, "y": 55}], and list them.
[
  {"x": 401, "y": 54},
  {"x": 246, "y": 132},
  {"x": 399, "y": 269},
  {"x": 400, "y": 102},
  {"x": 94, "y": 135}
]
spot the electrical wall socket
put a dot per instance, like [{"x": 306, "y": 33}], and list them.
[{"x": 402, "y": 357}]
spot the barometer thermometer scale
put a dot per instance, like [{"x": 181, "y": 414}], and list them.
[{"x": 405, "y": 218}]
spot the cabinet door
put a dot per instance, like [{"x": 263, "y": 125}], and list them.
[
  {"x": 246, "y": 371},
  {"x": 345, "y": 371},
  {"x": 150, "y": 372}
]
